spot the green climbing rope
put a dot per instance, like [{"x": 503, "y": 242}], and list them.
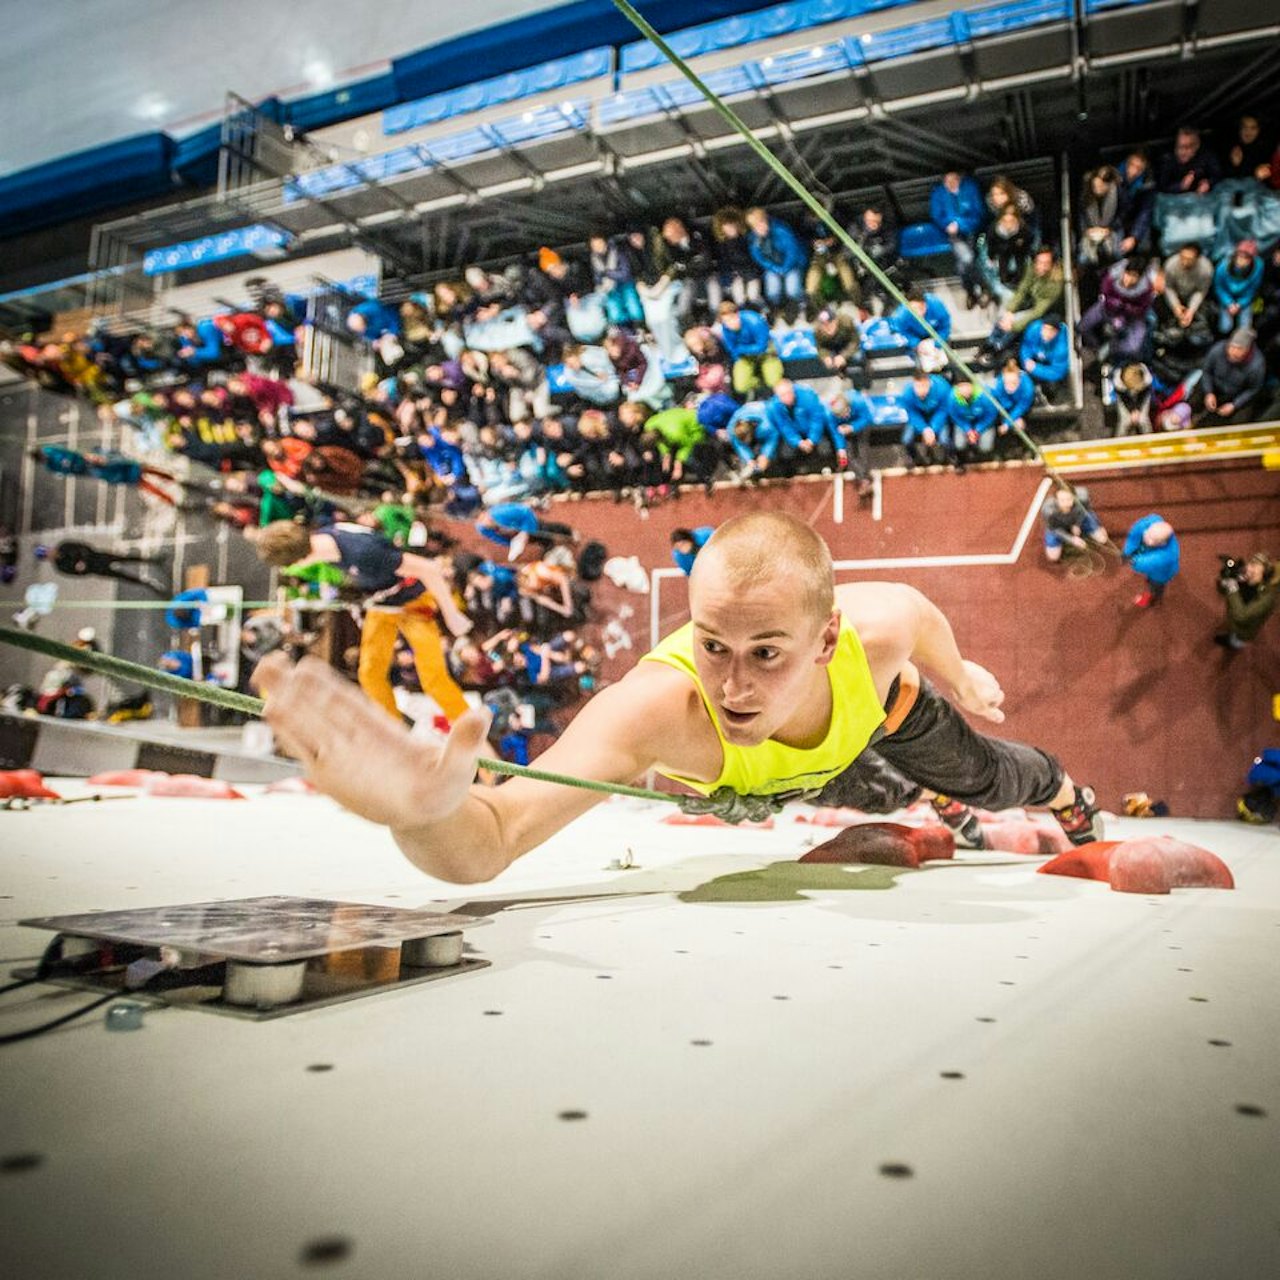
[{"x": 724, "y": 804}]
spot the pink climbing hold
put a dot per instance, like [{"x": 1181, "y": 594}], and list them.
[
  {"x": 24, "y": 784},
  {"x": 125, "y": 777},
  {"x": 1148, "y": 864},
  {"x": 1031, "y": 838},
  {"x": 886, "y": 844},
  {"x": 190, "y": 787},
  {"x": 710, "y": 820},
  {"x": 296, "y": 786},
  {"x": 828, "y": 817}
]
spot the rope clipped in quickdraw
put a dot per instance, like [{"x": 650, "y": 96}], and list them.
[{"x": 728, "y": 807}]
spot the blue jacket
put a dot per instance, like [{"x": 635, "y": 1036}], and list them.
[
  {"x": 1051, "y": 359},
  {"x": 208, "y": 344},
  {"x": 1229, "y": 288},
  {"x": 715, "y": 411},
  {"x": 684, "y": 559},
  {"x": 766, "y": 439},
  {"x": 808, "y": 419},
  {"x": 509, "y": 518},
  {"x": 1265, "y": 770},
  {"x": 858, "y": 417},
  {"x": 752, "y": 339},
  {"x": 1016, "y": 403},
  {"x": 930, "y": 412},
  {"x": 780, "y": 251},
  {"x": 1160, "y": 564},
  {"x": 378, "y": 318},
  {"x": 443, "y": 458},
  {"x": 280, "y": 335},
  {"x": 904, "y": 320},
  {"x": 965, "y": 208},
  {"x": 64, "y": 462},
  {"x": 978, "y": 414}
]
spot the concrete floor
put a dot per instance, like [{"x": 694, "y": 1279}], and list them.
[{"x": 971, "y": 1071}]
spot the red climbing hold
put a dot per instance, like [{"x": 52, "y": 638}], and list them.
[
  {"x": 886, "y": 844},
  {"x": 1032, "y": 838},
  {"x": 189, "y": 786},
  {"x": 1161, "y": 863},
  {"x": 1149, "y": 864},
  {"x": 710, "y": 820},
  {"x": 1090, "y": 861},
  {"x": 125, "y": 777},
  {"x": 24, "y": 784}
]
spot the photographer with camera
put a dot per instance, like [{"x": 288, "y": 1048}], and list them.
[{"x": 1249, "y": 590}]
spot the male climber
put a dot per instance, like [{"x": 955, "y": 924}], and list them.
[{"x": 775, "y": 687}]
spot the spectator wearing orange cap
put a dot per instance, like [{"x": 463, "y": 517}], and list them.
[{"x": 546, "y": 290}]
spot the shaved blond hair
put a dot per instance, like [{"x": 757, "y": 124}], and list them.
[{"x": 770, "y": 545}]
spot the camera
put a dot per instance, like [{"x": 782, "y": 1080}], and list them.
[{"x": 1231, "y": 569}]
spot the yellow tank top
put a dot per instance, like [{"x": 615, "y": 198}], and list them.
[{"x": 773, "y": 768}]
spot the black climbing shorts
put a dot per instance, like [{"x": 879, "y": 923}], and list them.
[{"x": 936, "y": 747}]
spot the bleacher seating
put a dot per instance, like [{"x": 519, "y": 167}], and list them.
[{"x": 805, "y": 53}]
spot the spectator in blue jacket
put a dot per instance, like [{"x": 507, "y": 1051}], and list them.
[
  {"x": 956, "y": 208},
  {"x": 927, "y": 435},
  {"x": 906, "y": 320},
  {"x": 200, "y": 344},
  {"x": 782, "y": 260},
  {"x": 714, "y": 412},
  {"x": 1044, "y": 353},
  {"x": 1236, "y": 282},
  {"x": 442, "y": 452},
  {"x": 748, "y": 343},
  {"x": 972, "y": 417},
  {"x": 805, "y": 425},
  {"x": 686, "y": 543},
  {"x": 1015, "y": 393},
  {"x": 1260, "y": 803},
  {"x": 1151, "y": 549},
  {"x": 851, "y": 412},
  {"x": 1137, "y": 203},
  {"x": 754, "y": 439},
  {"x": 372, "y": 320},
  {"x": 613, "y": 264}
]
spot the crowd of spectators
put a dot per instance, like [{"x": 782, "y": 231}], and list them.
[
  {"x": 1180, "y": 281},
  {"x": 620, "y": 368},
  {"x": 651, "y": 359}
]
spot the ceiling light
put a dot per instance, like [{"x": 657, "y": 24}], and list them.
[
  {"x": 151, "y": 107},
  {"x": 318, "y": 73}
]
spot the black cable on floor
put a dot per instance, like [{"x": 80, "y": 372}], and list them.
[
  {"x": 21, "y": 982},
  {"x": 14, "y": 1036}
]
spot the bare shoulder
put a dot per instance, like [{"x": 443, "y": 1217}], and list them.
[
  {"x": 654, "y": 700},
  {"x": 653, "y": 716},
  {"x": 877, "y": 608}
]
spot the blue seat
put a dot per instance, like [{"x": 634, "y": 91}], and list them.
[
  {"x": 877, "y": 336},
  {"x": 686, "y": 368},
  {"x": 922, "y": 240},
  {"x": 886, "y": 411},
  {"x": 796, "y": 344}
]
